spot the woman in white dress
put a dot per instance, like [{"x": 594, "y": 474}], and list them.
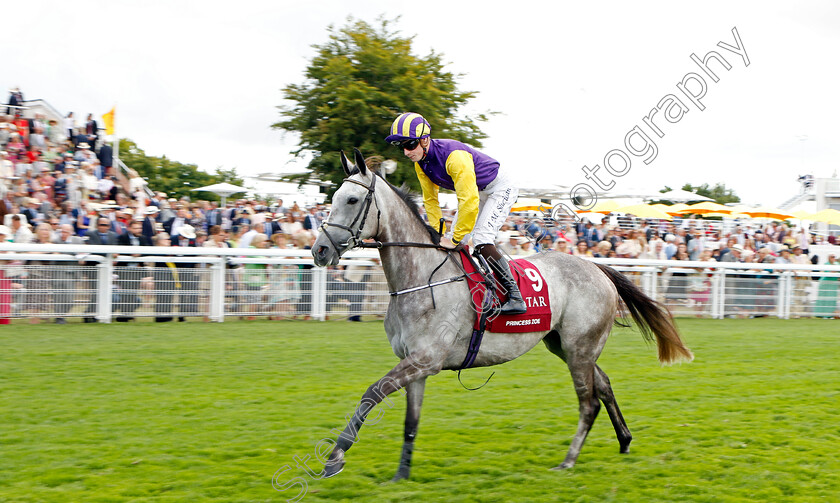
[{"x": 290, "y": 225}]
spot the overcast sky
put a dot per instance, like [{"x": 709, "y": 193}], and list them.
[{"x": 199, "y": 81}]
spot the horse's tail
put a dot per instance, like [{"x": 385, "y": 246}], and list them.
[{"x": 652, "y": 318}]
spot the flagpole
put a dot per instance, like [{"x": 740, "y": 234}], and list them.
[{"x": 116, "y": 145}]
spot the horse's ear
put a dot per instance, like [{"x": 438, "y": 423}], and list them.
[
  {"x": 345, "y": 163},
  {"x": 360, "y": 161}
]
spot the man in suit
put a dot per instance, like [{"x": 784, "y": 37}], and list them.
[
  {"x": 122, "y": 219},
  {"x": 101, "y": 235},
  {"x": 272, "y": 224},
  {"x": 66, "y": 275},
  {"x": 31, "y": 211},
  {"x": 92, "y": 130},
  {"x": 228, "y": 214},
  {"x": 213, "y": 216},
  {"x": 15, "y": 100},
  {"x": 130, "y": 273},
  {"x": 150, "y": 222},
  {"x": 173, "y": 225},
  {"x": 735, "y": 254},
  {"x": 106, "y": 158},
  {"x": 188, "y": 277},
  {"x": 311, "y": 222}
]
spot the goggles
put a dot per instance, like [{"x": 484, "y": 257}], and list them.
[{"x": 407, "y": 144}]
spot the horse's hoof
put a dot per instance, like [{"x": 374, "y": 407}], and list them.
[
  {"x": 399, "y": 476},
  {"x": 333, "y": 470},
  {"x": 624, "y": 446},
  {"x": 563, "y": 466},
  {"x": 335, "y": 464}
]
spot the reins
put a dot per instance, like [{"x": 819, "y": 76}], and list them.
[{"x": 355, "y": 241}]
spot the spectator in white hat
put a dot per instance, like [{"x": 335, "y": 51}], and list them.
[
  {"x": 735, "y": 254},
  {"x": 81, "y": 150},
  {"x": 150, "y": 221}
]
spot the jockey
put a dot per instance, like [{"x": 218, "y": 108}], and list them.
[{"x": 485, "y": 194}]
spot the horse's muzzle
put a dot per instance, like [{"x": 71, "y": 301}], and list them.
[{"x": 324, "y": 255}]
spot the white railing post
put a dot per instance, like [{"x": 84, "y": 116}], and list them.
[
  {"x": 648, "y": 280},
  {"x": 104, "y": 289},
  {"x": 717, "y": 294},
  {"x": 722, "y": 291},
  {"x": 217, "y": 290},
  {"x": 319, "y": 293},
  {"x": 785, "y": 294}
]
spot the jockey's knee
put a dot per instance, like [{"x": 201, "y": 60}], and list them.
[{"x": 488, "y": 251}]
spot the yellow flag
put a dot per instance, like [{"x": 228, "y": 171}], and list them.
[{"x": 109, "y": 121}]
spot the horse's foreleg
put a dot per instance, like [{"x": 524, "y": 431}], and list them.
[
  {"x": 414, "y": 400},
  {"x": 583, "y": 375},
  {"x": 605, "y": 393},
  {"x": 406, "y": 372}
]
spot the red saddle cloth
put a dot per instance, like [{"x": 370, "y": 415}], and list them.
[{"x": 534, "y": 293}]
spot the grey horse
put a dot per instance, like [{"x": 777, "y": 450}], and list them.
[{"x": 429, "y": 328}]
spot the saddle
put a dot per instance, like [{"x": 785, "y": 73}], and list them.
[{"x": 487, "y": 295}]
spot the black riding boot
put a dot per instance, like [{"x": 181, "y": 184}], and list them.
[{"x": 514, "y": 303}]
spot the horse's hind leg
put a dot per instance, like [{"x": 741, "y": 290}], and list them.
[
  {"x": 605, "y": 393},
  {"x": 583, "y": 376},
  {"x": 583, "y": 373}
]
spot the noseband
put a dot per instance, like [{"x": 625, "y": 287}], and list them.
[{"x": 354, "y": 240}]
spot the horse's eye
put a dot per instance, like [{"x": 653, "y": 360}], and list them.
[{"x": 353, "y": 200}]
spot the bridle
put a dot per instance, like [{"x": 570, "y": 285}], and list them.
[{"x": 355, "y": 241}]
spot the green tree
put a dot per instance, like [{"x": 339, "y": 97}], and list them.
[
  {"x": 356, "y": 85},
  {"x": 719, "y": 193},
  {"x": 174, "y": 178}
]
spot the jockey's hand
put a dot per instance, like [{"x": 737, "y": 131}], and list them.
[{"x": 447, "y": 243}]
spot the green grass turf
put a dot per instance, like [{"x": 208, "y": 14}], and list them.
[{"x": 207, "y": 412}]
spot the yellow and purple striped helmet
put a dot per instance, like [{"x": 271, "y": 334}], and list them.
[{"x": 409, "y": 126}]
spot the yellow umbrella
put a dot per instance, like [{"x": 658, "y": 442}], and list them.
[
  {"x": 802, "y": 215},
  {"x": 765, "y": 212},
  {"x": 675, "y": 209},
  {"x": 707, "y": 207},
  {"x": 738, "y": 211},
  {"x": 530, "y": 207},
  {"x": 829, "y": 216},
  {"x": 604, "y": 207},
  {"x": 644, "y": 211}
]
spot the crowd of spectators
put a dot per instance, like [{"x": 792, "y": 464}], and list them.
[
  {"x": 58, "y": 185},
  {"x": 63, "y": 174},
  {"x": 688, "y": 239}
]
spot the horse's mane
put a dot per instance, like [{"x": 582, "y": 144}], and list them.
[{"x": 409, "y": 198}]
